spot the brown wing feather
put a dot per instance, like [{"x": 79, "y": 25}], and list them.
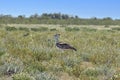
[{"x": 65, "y": 46}]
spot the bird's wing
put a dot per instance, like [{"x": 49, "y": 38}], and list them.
[{"x": 66, "y": 46}]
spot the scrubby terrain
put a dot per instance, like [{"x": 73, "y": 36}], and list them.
[{"x": 28, "y": 52}]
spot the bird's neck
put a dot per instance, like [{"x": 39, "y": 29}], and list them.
[{"x": 56, "y": 40}]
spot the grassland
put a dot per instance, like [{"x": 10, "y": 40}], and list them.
[{"x": 28, "y": 52}]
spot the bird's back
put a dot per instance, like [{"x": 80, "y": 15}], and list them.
[{"x": 65, "y": 46}]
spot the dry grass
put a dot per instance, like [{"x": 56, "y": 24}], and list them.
[{"x": 97, "y": 56}]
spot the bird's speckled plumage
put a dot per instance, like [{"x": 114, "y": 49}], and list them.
[{"x": 62, "y": 45}]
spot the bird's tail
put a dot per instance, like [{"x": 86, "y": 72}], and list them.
[{"x": 73, "y": 48}]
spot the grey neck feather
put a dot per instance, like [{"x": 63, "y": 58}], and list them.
[{"x": 56, "y": 39}]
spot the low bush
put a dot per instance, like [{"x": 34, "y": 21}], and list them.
[
  {"x": 116, "y": 28},
  {"x": 8, "y": 28},
  {"x": 23, "y": 76},
  {"x": 10, "y": 65},
  {"x": 53, "y": 29},
  {"x": 23, "y": 29},
  {"x": 71, "y": 29},
  {"x": 91, "y": 72},
  {"x": 106, "y": 26},
  {"x": 34, "y": 67},
  {"x": 88, "y": 29},
  {"x": 45, "y": 76},
  {"x": 40, "y": 29}
]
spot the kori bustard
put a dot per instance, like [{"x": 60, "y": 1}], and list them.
[{"x": 62, "y": 45}]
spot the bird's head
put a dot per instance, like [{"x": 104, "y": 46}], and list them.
[{"x": 57, "y": 35}]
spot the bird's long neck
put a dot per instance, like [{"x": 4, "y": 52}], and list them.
[{"x": 56, "y": 40}]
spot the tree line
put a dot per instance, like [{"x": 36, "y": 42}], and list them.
[{"x": 56, "y": 18}]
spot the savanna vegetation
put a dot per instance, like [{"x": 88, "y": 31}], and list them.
[
  {"x": 56, "y": 18},
  {"x": 28, "y": 51}
]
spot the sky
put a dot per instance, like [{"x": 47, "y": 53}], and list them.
[{"x": 81, "y": 8}]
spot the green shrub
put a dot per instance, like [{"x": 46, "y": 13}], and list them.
[
  {"x": 88, "y": 29},
  {"x": 40, "y": 29},
  {"x": 71, "y": 61},
  {"x": 10, "y": 63},
  {"x": 106, "y": 26},
  {"x": 68, "y": 29},
  {"x": 76, "y": 29},
  {"x": 54, "y": 29},
  {"x": 86, "y": 57},
  {"x": 71, "y": 29},
  {"x": 116, "y": 28},
  {"x": 10, "y": 28},
  {"x": 77, "y": 70},
  {"x": 63, "y": 25},
  {"x": 43, "y": 29},
  {"x": 42, "y": 56},
  {"x": 36, "y": 66},
  {"x": 45, "y": 76},
  {"x": 34, "y": 29},
  {"x": 1, "y": 53},
  {"x": 85, "y": 77},
  {"x": 91, "y": 72},
  {"x": 116, "y": 76},
  {"x": 23, "y": 29},
  {"x": 110, "y": 30},
  {"x": 23, "y": 76}
]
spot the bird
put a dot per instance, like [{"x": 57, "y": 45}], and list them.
[{"x": 62, "y": 45}]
